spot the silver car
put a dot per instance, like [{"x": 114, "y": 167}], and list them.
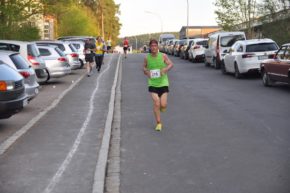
[
  {"x": 29, "y": 51},
  {"x": 69, "y": 50},
  {"x": 21, "y": 65},
  {"x": 80, "y": 46},
  {"x": 55, "y": 61}
]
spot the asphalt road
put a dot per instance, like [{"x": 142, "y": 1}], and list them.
[
  {"x": 59, "y": 153},
  {"x": 221, "y": 135}
]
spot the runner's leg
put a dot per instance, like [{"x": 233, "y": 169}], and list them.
[
  {"x": 156, "y": 107},
  {"x": 163, "y": 102}
]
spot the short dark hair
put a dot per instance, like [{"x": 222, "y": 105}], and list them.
[{"x": 153, "y": 41}]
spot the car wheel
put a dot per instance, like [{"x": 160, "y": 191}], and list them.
[
  {"x": 238, "y": 75},
  {"x": 266, "y": 79},
  {"x": 48, "y": 75},
  {"x": 82, "y": 64},
  {"x": 223, "y": 68}
]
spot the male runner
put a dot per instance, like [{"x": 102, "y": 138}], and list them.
[{"x": 156, "y": 66}]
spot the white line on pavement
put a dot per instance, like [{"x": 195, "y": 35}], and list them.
[
  {"x": 100, "y": 172},
  {"x": 56, "y": 178}
]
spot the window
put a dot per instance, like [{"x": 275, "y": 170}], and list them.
[
  {"x": 44, "y": 52},
  {"x": 19, "y": 61},
  {"x": 240, "y": 48},
  {"x": 228, "y": 41},
  {"x": 261, "y": 47},
  {"x": 32, "y": 50}
]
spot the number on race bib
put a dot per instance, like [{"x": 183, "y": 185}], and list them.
[{"x": 155, "y": 73}]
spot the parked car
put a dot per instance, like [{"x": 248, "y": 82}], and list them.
[
  {"x": 69, "y": 50},
  {"x": 78, "y": 38},
  {"x": 277, "y": 69},
  {"x": 178, "y": 46},
  {"x": 55, "y": 61},
  {"x": 12, "y": 91},
  {"x": 218, "y": 44},
  {"x": 21, "y": 65},
  {"x": 245, "y": 56},
  {"x": 196, "y": 51},
  {"x": 79, "y": 46},
  {"x": 29, "y": 51},
  {"x": 162, "y": 39},
  {"x": 171, "y": 46},
  {"x": 185, "y": 48}
]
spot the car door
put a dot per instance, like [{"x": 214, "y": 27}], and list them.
[{"x": 279, "y": 68}]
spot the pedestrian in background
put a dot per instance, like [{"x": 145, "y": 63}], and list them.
[
  {"x": 109, "y": 45},
  {"x": 156, "y": 66},
  {"x": 125, "y": 46},
  {"x": 89, "y": 56},
  {"x": 99, "y": 53}
]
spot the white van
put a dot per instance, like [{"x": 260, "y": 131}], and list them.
[
  {"x": 218, "y": 44},
  {"x": 162, "y": 39}
]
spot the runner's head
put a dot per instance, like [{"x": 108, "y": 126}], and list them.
[{"x": 153, "y": 44}]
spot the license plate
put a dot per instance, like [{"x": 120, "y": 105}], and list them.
[{"x": 262, "y": 57}]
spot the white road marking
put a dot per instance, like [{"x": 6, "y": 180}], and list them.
[
  {"x": 11, "y": 140},
  {"x": 56, "y": 178},
  {"x": 100, "y": 171}
]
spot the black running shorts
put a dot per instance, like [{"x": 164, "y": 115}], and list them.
[{"x": 158, "y": 90}]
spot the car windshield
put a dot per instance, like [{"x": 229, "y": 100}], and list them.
[
  {"x": 261, "y": 47},
  {"x": 228, "y": 41},
  {"x": 19, "y": 61},
  {"x": 32, "y": 50}
]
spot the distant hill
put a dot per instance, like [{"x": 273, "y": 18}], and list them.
[{"x": 144, "y": 39}]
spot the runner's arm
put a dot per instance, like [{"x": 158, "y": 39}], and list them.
[
  {"x": 145, "y": 70},
  {"x": 168, "y": 62}
]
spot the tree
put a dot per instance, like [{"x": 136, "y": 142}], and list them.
[{"x": 231, "y": 13}]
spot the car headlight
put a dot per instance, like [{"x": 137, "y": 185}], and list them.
[{"x": 6, "y": 86}]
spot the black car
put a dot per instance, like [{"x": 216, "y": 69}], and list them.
[{"x": 12, "y": 91}]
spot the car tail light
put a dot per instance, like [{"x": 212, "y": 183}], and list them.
[
  {"x": 25, "y": 74},
  {"x": 3, "y": 86},
  {"x": 62, "y": 59},
  {"x": 32, "y": 60},
  {"x": 248, "y": 55},
  {"x": 74, "y": 55},
  {"x": 196, "y": 47}
]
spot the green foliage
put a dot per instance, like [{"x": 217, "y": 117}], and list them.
[{"x": 76, "y": 22}]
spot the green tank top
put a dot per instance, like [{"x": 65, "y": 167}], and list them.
[{"x": 155, "y": 64}]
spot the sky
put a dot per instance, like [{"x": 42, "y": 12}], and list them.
[{"x": 152, "y": 16}]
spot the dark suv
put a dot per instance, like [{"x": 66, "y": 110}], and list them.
[{"x": 12, "y": 91}]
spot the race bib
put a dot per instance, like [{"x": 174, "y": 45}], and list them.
[
  {"x": 88, "y": 51},
  {"x": 155, "y": 73}
]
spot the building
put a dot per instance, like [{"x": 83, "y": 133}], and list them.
[{"x": 197, "y": 31}]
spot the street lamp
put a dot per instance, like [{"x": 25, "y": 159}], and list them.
[
  {"x": 187, "y": 21},
  {"x": 156, "y": 14}
]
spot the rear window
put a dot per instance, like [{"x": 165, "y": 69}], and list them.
[
  {"x": 59, "y": 51},
  {"x": 228, "y": 41},
  {"x": 44, "y": 52},
  {"x": 202, "y": 43},
  {"x": 262, "y": 47},
  {"x": 72, "y": 48},
  {"x": 77, "y": 46},
  {"x": 32, "y": 50},
  {"x": 60, "y": 46},
  {"x": 19, "y": 61}
]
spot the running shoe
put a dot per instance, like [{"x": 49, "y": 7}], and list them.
[{"x": 158, "y": 127}]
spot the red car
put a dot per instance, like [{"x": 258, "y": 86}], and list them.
[{"x": 278, "y": 68}]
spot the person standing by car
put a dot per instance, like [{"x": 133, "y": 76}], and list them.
[
  {"x": 99, "y": 54},
  {"x": 156, "y": 66},
  {"x": 125, "y": 46},
  {"x": 89, "y": 56}
]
